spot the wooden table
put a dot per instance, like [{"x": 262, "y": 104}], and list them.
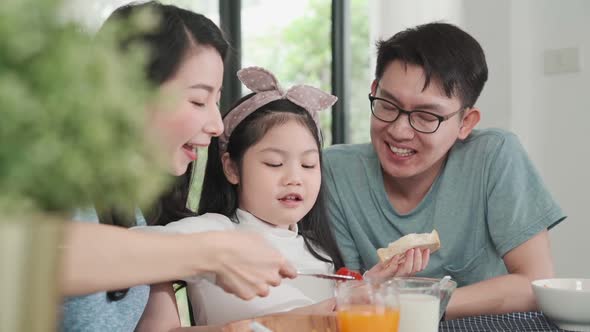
[
  {"x": 277, "y": 323},
  {"x": 524, "y": 321}
]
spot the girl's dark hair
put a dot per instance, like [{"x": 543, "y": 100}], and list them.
[
  {"x": 218, "y": 195},
  {"x": 178, "y": 32}
]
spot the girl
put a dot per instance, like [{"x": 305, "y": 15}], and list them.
[
  {"x": 186, "y": 57},
  {"x": 263, "y": 175}
]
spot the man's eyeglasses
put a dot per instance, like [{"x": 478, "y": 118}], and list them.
[{"x": 422, "y": 121}]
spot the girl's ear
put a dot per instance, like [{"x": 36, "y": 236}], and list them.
[{"x": 230, "y": 169}]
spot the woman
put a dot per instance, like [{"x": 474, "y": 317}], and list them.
[{"x": 185, "y": 60}]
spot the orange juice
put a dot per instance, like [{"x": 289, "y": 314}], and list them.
[{"x": 361, "y": 318}]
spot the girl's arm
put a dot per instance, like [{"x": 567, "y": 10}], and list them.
[
  {"x": 161, "y": 312},
  {"x": 509, "y": 293},
  {"x": 100, "y": 257}
]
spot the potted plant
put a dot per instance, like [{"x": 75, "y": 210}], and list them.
[{"x": 71, "y": 136}]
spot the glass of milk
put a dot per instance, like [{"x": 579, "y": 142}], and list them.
[{"x": 419, "y": 304}]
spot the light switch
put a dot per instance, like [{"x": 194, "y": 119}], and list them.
[{"x": 563, "y": 60}]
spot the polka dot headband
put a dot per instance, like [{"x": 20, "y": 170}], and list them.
[{"x": 267, "y": 89}]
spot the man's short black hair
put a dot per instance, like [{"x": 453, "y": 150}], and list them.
[{"x": 447, "y": 54}]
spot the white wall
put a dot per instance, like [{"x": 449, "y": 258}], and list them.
[
  {"x": 559, "y": 119},
  {"x": 550, "y": 114}
]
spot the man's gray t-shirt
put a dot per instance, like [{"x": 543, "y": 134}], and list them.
[{"x": 487, "y": 200}]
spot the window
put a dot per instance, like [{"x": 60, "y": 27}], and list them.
[
  {"x": 209, "y": 8},
  {"x": 361, "y": 73},
  {"x": 92, "y": 13},
  {"x": 293, "y": 42}
]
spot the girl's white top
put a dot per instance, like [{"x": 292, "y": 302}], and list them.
[{"x": 212, "y": 305}]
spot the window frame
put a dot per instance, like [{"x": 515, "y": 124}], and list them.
[{"x": 230, "y": 12}]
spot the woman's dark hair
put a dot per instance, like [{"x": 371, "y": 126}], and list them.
[
  {"x": 445, "y": 52},
  {"x": 178, "y": 31},
  {"x": 218, "y": 195},
  {"x": 176, "y": 34}
]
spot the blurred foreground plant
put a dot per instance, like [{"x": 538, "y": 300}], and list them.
[{"x": 72, "y": 111}]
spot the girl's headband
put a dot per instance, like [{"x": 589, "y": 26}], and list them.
[{"x": 267, "y": 89}]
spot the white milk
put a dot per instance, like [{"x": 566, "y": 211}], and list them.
[{"x": 418, "y": 313}]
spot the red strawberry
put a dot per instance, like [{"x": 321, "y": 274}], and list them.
[{"x": 346, "y": 272}]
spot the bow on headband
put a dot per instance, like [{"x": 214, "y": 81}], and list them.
[{"x": 267, "y": 90}]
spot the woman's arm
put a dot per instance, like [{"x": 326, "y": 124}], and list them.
[
  {"x": 510, "y": 293},
  {"x": 161, "y": 312},
  {"x": 101, "y": 257}
]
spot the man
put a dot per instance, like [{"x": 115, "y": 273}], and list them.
[{"x": 427, "y": 168}]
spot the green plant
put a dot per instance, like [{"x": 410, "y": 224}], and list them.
[
  {"x": 71, "y": 114},
  {"x": 300, "y": 53}
]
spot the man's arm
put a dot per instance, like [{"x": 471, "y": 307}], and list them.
[{"x": 509, "y": 293}]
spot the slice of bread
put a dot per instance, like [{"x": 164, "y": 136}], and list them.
[{"x": 421, "y": 241}]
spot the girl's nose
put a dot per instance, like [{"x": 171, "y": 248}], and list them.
[{"x": 293, "y": 176}]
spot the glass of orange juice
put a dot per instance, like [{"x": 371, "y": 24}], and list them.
[{"x": 367, "y": 306}]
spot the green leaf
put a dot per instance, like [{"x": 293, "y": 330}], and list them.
[{"x": 71, "y": 114}]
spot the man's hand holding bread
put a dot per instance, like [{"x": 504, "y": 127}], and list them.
[{"x": 406, "y": 256}]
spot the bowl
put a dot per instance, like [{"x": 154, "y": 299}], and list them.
[
  {"x": 445, "y": 292},
  {"x": 565, "y": 301}
]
